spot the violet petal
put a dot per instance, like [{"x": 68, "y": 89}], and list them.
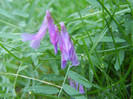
[
  {"x": 55, "y": 48},
  {"x": 74, "y": 58},
  {"x": 35, "y": 43},
  {"x": 66, "y": 46},
  {"x": 36, "y": 38},
  {"x": 63, "y": 62},
  {"x": 41, "y": 33},
  {"x": 66, "y": 40},
  {"x": 52, "y": 30},
  {"x": 71, "y": 82},
  {"x": 76, "y": 85},
  {"x": 27, "y": 36},
  {"x": 81, "y": 89}
]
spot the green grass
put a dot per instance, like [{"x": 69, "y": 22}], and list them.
[{"x": 102, "y": 33}]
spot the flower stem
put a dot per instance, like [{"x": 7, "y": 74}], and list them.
[{"x": 64, "y": 80}]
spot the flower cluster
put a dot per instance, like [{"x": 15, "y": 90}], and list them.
[
  {"x": 62, "y": 39},
  {"x": 36, "y": 38},
  {"x": 66, "y": 48}
]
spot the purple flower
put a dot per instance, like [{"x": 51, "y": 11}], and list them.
[
  {"x": 35, "y": 38},
  {"x": 67, "y": 48},
  {"x": 77, "y": 86},
  {"x": 65, "y": 44},
  {"x": 81, "y": 89},
  {"x": 52, "y": 30}
]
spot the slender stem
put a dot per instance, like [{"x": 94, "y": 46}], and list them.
[
  {"x": 88, "y": 36},
  {"x": 86, "y": 29},
  {"x": 117, "y": 13},
  {"x": 99, "y": 38},
  {"x": 9, "y": 52},
  {"x": 103, "y": 15},
  {"x": 114, "y": 21},
  {"x": 132, "y": 78},
  {"x": 112, "y": 49},
  {"x": 12, "y": 74},
  {"x": 90, "y": 62},
  {"x": 117, "y": 53},
  {"x": 16, "y": 79},
  {"x": 102, "y": 34},
  {"x": 64, "y": 80},
  {"x": 130, "y": 69},
  {"x": 83, "y": 22},
  {"x": 9, "y": 24},
  {"x": 117, "y": 56},
  {"x": 99, "y": 12}
]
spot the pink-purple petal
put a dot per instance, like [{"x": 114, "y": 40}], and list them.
[
  {"x": 66, "y": 46},
  {"x": 41, "y": 33},
  {"x": 71, "y": 82},
  {"x": 81, "y": 89},
  {"x": 66, "y": 39},
  {"x": 74, "y": 58},
  {"x": 55, "y": 48},
  {"x": 52, "y": 30},
  {"x": 63, "y": 62},
  {"x": 43, "y": 26},
  {"x": 76, "y": 85},
  {"x": 35, "y": 43},
  {"x": 27, "y": 36},
  {"x": 36, "y": 38}
]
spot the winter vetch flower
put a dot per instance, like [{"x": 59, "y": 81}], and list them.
[{"x": 67, "y": 48}]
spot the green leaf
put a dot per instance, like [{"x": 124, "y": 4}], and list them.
[
  {"x": 73, "y": 92},
  {"x": 109, "y": 39},
  {"x": 41, "y": 89},
  {"x": 91, "y": 74},
  {"x": 94, "y": 59},
  {"x": 80, "y": 79},
  {"x": 22, "y": 24},
  {"x": 6, "y": 84},
  {"x": 52, "y": 77},
  {"x": 128, "y": 23},
  {"x": 114, "y": 26},
  {"x": 131, "y": 2},
  {"x": 121, "y": 57},
  {"x": 9, "y": 0},
  {"x": 13, "y": 36},
  {"x": 103, "y": 39},
  {"x": 5, "y": 95},
  {"x": 10, "y": 65},
  {"x": 20, "y": 13},
  {"x": 54, "y": 66},
  {"x": 7, "y": 14},
  {"x": 22, "y": 68},
  {"x": 93, "y": 2},
  {"x": 35, "y": 59}
]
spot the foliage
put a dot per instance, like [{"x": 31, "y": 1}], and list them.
[{"x": 102, "y": 33}]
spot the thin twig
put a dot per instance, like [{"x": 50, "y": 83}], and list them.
[
  {"x": 64, "y": 80},
  {"x": 31, "y": 79}
]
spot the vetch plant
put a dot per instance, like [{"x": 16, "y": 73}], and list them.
[
  {"x": 66, "y": 47},
  {"x": 103, "y": 32},
  {"x": 36, "y": 38},
  {"x": 52, "y": 31}
]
